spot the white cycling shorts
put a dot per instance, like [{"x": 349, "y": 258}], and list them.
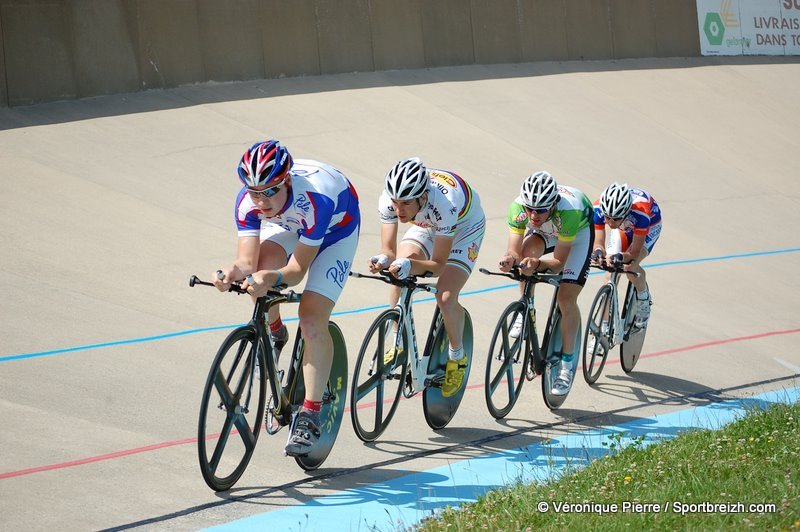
[{"x": 329, "y": 270}]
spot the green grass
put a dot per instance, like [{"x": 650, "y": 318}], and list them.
[{"x": 753, "y": 460}]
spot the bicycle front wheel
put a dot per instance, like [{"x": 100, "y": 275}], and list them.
[
  {"x": 507, "y": 363},
  {"x": 378, "y": 377},
  {"x": 232, "y": 409},
  {"x": 631, "y": 347},
  {"x": 595, "y": 343}
]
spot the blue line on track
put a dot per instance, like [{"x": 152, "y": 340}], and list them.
[
  {"x": 23, "y": 356},
  {"x": 402, "y": 502}
]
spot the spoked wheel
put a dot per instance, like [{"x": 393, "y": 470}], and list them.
[
  {"x": 232, "y": 409},
  {"x": 378, "y": 377},
  {"x": 631, "y": 347},
  {"x": 596, "y": 344},
  {"x": 439, "y": 410},
  {"x": 507, "y": 363},
  {"x": 552, "y": 363},
  {"x": 333, "y": 401}
]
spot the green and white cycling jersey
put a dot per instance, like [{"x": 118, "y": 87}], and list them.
[{"x": 573, "y": 213}]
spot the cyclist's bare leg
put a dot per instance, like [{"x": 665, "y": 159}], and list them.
[
  {"x": 271, "y": 257},
  {"x": 315, "y": 312},
  {"x": 570, "y": 314},
  {"x": 640, "y": 283},
  {"x": 450, "y": 283}
]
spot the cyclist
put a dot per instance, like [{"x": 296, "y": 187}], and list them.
[
  {"x": 296, "y": 218},
  {"x": 446, "y": 234},
  {"x": 635, "y": 222},
  {"x": 547, "y": 217}
]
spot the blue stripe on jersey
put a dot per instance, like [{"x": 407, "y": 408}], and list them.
[{"x": 251, "y": 219}]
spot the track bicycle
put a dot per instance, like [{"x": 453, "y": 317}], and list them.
[
  {"x": 234, "y": 399},
  {"x": 512, "y": 361},
  {"x": 620, "y": 328},
  {"x": 380, "y": 378}
]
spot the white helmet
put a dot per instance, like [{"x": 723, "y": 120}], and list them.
[
  {"x": 616, "y": 201},
  {"x": 407, "y": 180},
  {"x": 539, "y": 191}
]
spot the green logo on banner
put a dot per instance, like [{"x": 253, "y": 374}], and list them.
[{"x": 714, "y": 28}]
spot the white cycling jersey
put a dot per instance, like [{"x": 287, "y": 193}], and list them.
[{"x": 452, "y": 205}]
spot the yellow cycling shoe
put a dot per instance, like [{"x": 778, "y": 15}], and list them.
[
  {"x": 454, "y": 376},
  {"x": 389, "y": 355}
]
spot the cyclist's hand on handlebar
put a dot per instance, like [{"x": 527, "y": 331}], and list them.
[
  {"x": 258, "y": 283},
  {"x": 528, "y": 265},
  {"x": 401, "y": 268},
  {"x": 598, "y": 255},
  {"x": 378, "y": 263},
  {"x": 615, "y": 260},
  {"x": 222, "y": 279},
  {"x": 505, "y": 263}
]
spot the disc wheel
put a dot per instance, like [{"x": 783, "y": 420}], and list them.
[
  {"x": 333, "y": 401},
  {"x": 438, "y": 409},
  {"x": 631, "y": 347},
  {"x": 552, "y": 363}
]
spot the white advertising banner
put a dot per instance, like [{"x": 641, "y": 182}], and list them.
[{"x": 749, "y": 27}]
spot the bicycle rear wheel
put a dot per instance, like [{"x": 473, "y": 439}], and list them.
[
  {"x": 231, "y": 409},
  {"x": 507, "y": 363},
  {"x": 552, "y": 363},
  {"x": 594, "y": 361},
  {"x": 333, "y": 401},
  {"x": 631, "y": 347},
  {"x": 439, "y": 410},
  {"x": 376, "y": 385}
]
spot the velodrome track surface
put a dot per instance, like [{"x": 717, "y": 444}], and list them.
[{"x": 109, "y": 204}]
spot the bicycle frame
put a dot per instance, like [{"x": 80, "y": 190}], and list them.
[
  {"x": 280, "y": 398},
  {"x": 417, "y": 360},
  {"x": 282, "y": 410},
  {"x": 616, "y": 321},
  {"x": 529, "y": 301}
]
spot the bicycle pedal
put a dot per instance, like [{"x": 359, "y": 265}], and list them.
[
  {"x": 434, "y": 382},
  {"x": 328, "y": 397},
  {"x": 408, "y": 388}
]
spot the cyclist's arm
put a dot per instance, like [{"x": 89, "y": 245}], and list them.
[
  {"x": 600, "y": 239},
  {"x": 389, "y": 241},
  {"x": 559, "y": 258},
  {"x": 441, "y": 252},
  {"x": 635, "y": 249},
  {"x": 513, "y": 253},
  {"x": 290, "y": 275},
  {"x": 298, "y": 265},
  {"x": 246, "y": 261}
]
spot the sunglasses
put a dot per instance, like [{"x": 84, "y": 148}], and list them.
[
  {"x": 267, "y": 192},
  {"x": 614, "y": 219},
  {"x": 538, "y": 211}
]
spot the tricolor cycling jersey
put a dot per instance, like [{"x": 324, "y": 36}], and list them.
[
  {"x": 573, "y": 212},
  {"x": 322, "y": 206},
  {"x": 644, "y": 214},
  {"x": 451, "y": 206}
]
